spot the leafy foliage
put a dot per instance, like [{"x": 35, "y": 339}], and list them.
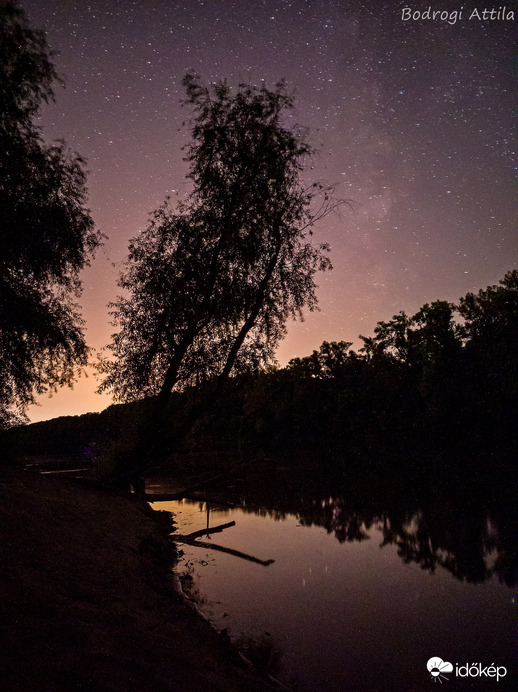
[
  {"x": 328, "y": 361},
  {"x": 457, "y": 391},
  {"x": 445, "y": 377},
  {"x": 47, "y": 236},
  {"x": 209, "y": 286}
]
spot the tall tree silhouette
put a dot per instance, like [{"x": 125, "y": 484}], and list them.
[
  {"x": 46, "y": 237},
  {"x": 211, "y": 284}
]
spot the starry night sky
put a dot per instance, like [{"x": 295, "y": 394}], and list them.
[{"x": 413, "y": 120}]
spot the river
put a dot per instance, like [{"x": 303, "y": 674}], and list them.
[{"x": 356, "y": 584}]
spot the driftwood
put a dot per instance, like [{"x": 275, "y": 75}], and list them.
[
  {"x": 190, "y": 538},
  {"x": 204, "y": 532}
]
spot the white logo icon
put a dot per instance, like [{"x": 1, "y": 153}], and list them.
[{"x": 436, "y": 666}]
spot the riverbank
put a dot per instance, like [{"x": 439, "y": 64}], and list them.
[{"x": 87, "y": 598}]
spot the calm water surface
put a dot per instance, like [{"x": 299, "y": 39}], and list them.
[{"x": 355, "y": 598}]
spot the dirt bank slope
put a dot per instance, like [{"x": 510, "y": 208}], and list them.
[{"x": 86, "y": 603}]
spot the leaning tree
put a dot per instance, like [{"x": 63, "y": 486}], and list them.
[
  {"x": 209, "y": 285},
  {"x": 46, "y": 234}
]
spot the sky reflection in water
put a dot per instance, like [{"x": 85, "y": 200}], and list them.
[{"x": 364, "y": 612}]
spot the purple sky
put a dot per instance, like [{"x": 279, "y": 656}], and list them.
[{"x": 413, "y": 120}]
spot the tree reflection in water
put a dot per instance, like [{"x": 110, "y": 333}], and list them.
[{"x": 465, "y": 524}]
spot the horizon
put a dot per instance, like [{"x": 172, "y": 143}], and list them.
[{"x": 413, "y": 119}]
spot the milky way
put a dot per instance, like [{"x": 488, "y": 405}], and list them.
[{"x": 411, "y": 119}]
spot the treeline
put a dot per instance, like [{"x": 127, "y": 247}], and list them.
[{"x": 444, "y": 378}]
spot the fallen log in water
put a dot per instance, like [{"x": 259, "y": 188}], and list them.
[{"x": 204, "y": 532}]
